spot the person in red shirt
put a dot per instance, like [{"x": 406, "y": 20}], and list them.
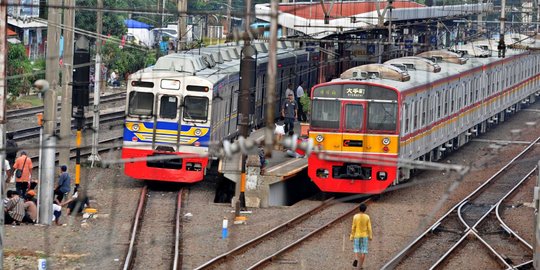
[{"x": 24, "y": 164}]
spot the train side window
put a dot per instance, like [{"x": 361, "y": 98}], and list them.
[
  {"x": 439, "y": 104},
  {"x": 406, "y": 117},
  {"x": 424, "y": 111},
  {"x": 446, "y": 101},
  {"x": 195, "y": 108},
  {"x": 141, "y": 104},
  {"x": 415, "y": 115},
  {"x": 168, "y": 106}
]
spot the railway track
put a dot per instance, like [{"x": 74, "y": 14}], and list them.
[
  {"x": 33, "y": 132},
  {"x": 475, "y": 221},
  {"x": 29, "y": 112},
  {"x": 86, "y": 150},
  {"x": 151, "y": 245},
  {"x": 261, "y": 250}
]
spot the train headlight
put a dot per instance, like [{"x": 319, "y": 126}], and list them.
[
  {"x": 386, "y": 141},
  {"x": 198, "y": 132},
  {"x": 135, "y": 127},
  {"x": 319, "y": 138},
  {"x": 382, "y": 175}
]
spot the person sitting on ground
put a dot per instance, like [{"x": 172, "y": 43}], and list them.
[
  {"x": 30, "y": 209},
  {"x": 31, "y": 196},
  {"x": 77, "y": 203},
  {"x": 57, "y": 212},
  {"x": 14, "y": 211}
]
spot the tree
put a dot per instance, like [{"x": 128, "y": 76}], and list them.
[
  {"x": 128, "y": 59},
  {"x": 19, "y": 70}
]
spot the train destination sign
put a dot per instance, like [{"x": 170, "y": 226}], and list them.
[{"x": 354, "y": 91}]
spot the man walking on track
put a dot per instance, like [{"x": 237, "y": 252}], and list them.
[{"x": 360, "y": 233}]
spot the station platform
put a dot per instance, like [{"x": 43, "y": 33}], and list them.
[{"x": 266, "y": 189}]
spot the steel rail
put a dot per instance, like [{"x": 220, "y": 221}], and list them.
[
  {"x": 305, "y": 237},
  {"x": 506, "y": 227},
  {"x": 135, "y": 229},
  {"x": 27, "y": 112},
  {"x": 177, "y": 261},
  {"x": 255, "y": 240},
  {"x": 392, "y": 264},
  {"x": 33, "y": 132},
  {"x": 473, "y": 230}
]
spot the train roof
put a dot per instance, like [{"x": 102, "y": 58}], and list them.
[
  {"x": 421, "y": 77},
  {"x": 215, "y": 63}
]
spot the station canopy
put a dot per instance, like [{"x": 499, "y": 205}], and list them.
[{"x": 309, "y": 17}]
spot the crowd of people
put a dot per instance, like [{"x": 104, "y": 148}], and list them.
[{"x": 20, "y": 205}]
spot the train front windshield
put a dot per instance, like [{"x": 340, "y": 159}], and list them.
[
  {"x": 354, "y": 108},
  {"x": 141, "y": 104}
]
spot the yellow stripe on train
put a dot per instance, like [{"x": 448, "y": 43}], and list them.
[
  {"x": 141, "y": 128},
  {"x": 367, "y": 143}
]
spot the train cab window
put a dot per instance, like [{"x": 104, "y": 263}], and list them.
[
  {"x": 168, "y": 106},
  {"x": 325, "y": 114},
  {"x": 354, "y": 117},
  {"x": 195, "y": 108},
  {"x": 141, "y": 104},
  {"x": 382, "y": 116}
]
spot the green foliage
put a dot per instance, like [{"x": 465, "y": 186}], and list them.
[
  {"x": 127, "y": 60},
  {"x": 113, "y": 23},
  {"x": 19, "y": 70},
  {"x": 306, "y": 103}
]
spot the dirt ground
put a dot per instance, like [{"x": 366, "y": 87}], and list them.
[{"x": 398, "y": 216}]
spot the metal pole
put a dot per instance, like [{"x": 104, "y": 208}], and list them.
[
  {"x": 243, "y": 100},
  {"x": 536, "y": 254},
  {"x": 272, "y": 70},
  {"x": 94, "y": 157},
  {"x": 229, "y": 19},
  {"x": 502, "y": 47},
  {"x": 49, "y": 152},
  {"x": 67, "y": 77},
  {"x": 40, "y": 171},
  {"x": 3, "y": 94},
  {"x": 80, "y": 123}
]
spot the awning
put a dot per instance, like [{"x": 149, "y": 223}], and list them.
[{"x": 13, "y": 41}]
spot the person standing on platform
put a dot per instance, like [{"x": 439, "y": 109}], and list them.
[
  {"x": 360, "y": 233},
  {"x": 299, "y": 94},
  {"x": 289, "y": 112},
  {"x": 289, "y": 90},
  {"x": 23, "y": 168},
  {"x": 64, "y": 184},
  {"x": 11, "y": 154}
]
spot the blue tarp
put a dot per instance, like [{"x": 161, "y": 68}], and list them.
[{"x": 136, "y": 24}]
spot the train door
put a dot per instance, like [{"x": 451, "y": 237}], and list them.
[
  {"x": 352, "y": 124},
  {"x": 168, "y": 119}
]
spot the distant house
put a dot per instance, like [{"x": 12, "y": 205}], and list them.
[
  {"x": 140, "y": 30},
  {"x": 31, "y": 33}
]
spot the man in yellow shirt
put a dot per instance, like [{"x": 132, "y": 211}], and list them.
[{"x": 360, "y": 233}]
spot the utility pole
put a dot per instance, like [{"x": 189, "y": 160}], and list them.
[
  {"x": 272, "y": 70},
  {"x": 53, "y": 37},
  {"x": 502, "y": 47},
  {"x": 229, "y": 19},
  {"x": 49, "y": 151},
  {"x": 536, "y": 255},
  {"x": 67, "y": 75},
  {"x": 182, "y": 9},
  {"x": 3, "y": 94},
  {"x": 247, "y": 68},
  {"x": 94, "y": 156}
]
